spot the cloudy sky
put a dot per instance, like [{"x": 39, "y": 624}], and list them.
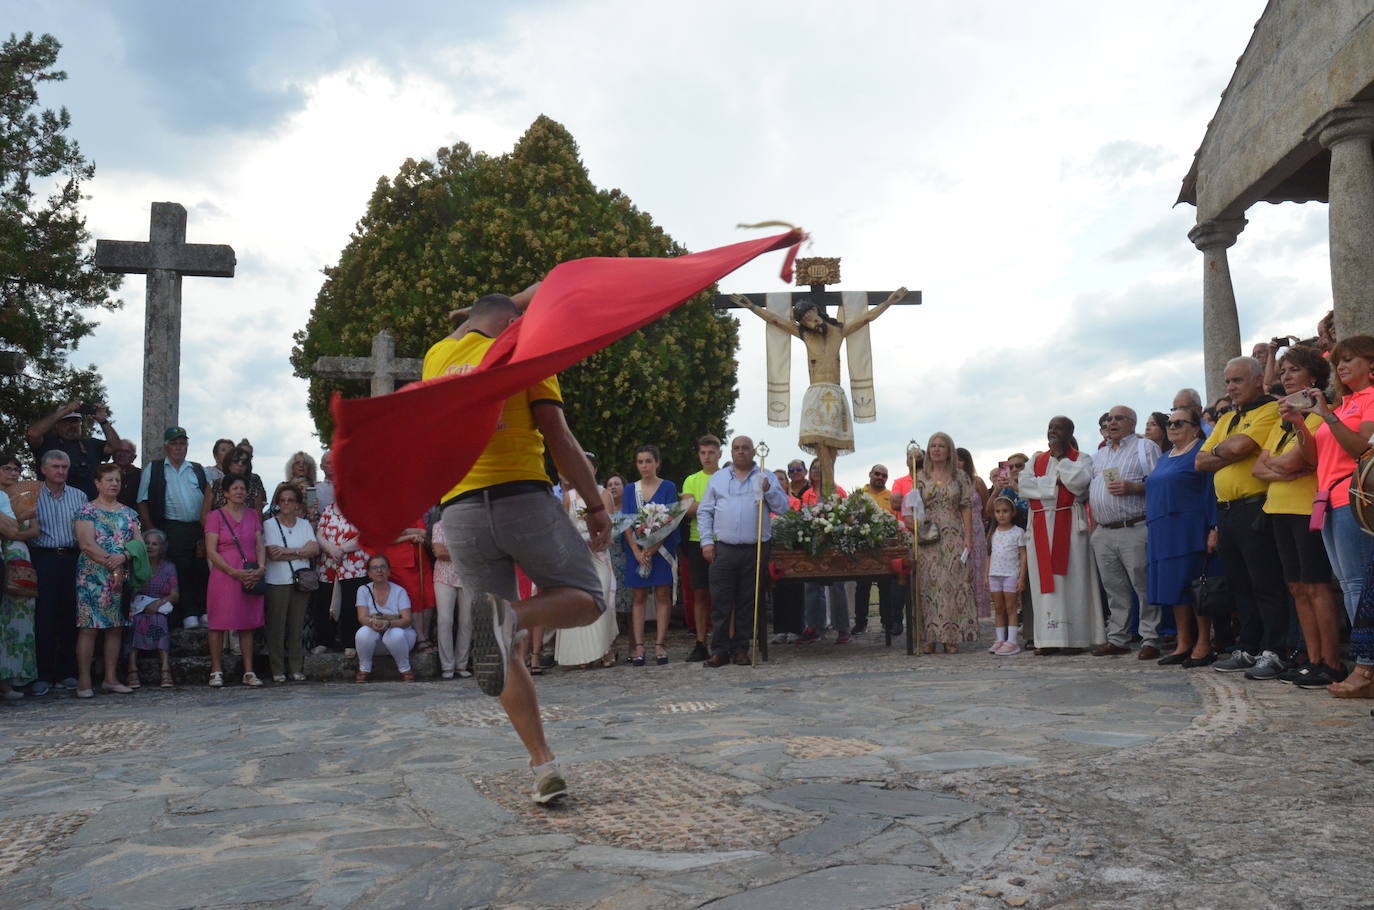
[{"x": 1015, "y": 162}]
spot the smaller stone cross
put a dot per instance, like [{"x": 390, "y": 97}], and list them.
[{"x": 384, "y": 369}]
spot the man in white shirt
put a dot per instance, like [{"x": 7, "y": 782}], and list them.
[{"x": 1117, "y": 498}]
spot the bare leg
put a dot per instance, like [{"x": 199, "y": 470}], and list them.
[
  {"x": 1183, "y": 621},
  {"x": 1307, "y": 619},
  {"x": 216, "y": 645},
  {"x": 112, "y": 643},
  {"x": 246, "y": 646},
  {"x": 637, "y": 609},
  {"x": 663, "y": 604},
  {"x": 522, "y": 707},
  {"x": 1204, "y": 636},
  {"x": 85, "y": 653},
  {"x": 701, "y": 607},
  {"x": 1328, "y": 625}
]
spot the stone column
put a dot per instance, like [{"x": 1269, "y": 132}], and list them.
[
  {"x": 1220, "y": 322},
  {"x": 1348, "y": 131},
  {"x": 161, "y": 360}
]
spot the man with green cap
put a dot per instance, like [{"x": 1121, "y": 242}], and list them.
[{"x": 170, "y": 494}]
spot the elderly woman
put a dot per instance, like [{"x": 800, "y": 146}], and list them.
[
  {"x": 452, "y": 602},
  {"x": 234, "y": 544},
  {"x": 239, "y": 462},
  {"x": 17, "y": 655},
  {"x": 1289, "y": 469},
  {"x": 947, "y": 494},
  {"x": 300, "y": 471},
  {"x": 103, "y": 526},
  {"x": 1180, "y": 509},
  {"x": 383, "y": 611},
  {"x": 291, "y": 545},
  {"x": 149, "y": 609}
]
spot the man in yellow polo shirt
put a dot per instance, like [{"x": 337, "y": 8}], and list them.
[
  {"x": 503, "y": 513},
  {"x": 1251, "y": 560}
]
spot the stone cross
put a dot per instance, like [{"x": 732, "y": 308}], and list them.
[
  {"x": 164, "y": 258},
  {"x": 383, "y": 368}
]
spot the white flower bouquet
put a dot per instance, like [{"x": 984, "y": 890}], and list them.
[
  {"x": 651, "y": 525},
  {"x": 850, "y": 526}
]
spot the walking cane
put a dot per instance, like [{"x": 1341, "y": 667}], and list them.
[
  {"x": 762, "y": 452},
  {"x": 914, "y": 621}
]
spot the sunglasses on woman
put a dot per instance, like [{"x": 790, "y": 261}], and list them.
[{"x": 1180, "y": 424}]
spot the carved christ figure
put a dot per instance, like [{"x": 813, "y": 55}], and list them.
[{"x": 826, "y": 428}]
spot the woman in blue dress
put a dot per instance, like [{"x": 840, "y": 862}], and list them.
[
  {"x": 659, "y": 580},
  {"x": 1180, "y": 511}
]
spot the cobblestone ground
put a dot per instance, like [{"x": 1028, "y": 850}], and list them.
[{"x": 830, "y": 778}]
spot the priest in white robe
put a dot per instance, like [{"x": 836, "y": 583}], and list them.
[{"x": 1063, "y": 575}]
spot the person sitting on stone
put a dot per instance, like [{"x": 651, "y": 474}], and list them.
[
  {"x": 383, "y": 611},
  {"x": 149, "y": 610},
  {"x": 61, "y": 430},
  {"x": 170, "y": 493},
  {"x": 239, "y": 461}
]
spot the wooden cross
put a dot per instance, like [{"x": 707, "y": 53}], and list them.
[
  {"x": 384, "y": 369},
  {"x": 164, "y": 258},
  {"x": 816, "y": 273}
]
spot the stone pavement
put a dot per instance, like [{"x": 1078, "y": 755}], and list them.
[{"x": 831, "y": 778}]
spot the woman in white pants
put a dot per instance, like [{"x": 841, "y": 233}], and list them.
[
  {"x": 383, "y": 616},
  {"x": 449, "y": 597}
]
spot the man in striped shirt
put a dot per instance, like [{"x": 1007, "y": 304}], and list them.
[
  {"x": 1117, "y": 497},
  {"x": 54, "y": 554}
]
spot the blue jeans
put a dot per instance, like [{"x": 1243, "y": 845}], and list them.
[
  {"x": 1348, "y": 548},
  {"x": 815, "y": 607}
]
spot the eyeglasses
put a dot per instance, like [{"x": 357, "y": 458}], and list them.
[
  {"x": 1113, "y": 418},
  {"x": 1180, "y": 424}
]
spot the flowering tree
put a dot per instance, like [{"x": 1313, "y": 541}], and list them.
[{"x": 442, "y": 233}]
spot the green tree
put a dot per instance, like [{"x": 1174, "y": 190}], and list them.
[
  {"x": 48, "y": 278},
  {"x": 441, "y": 233}
]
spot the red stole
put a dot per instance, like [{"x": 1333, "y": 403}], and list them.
[{"x": 1057, "y": 562}]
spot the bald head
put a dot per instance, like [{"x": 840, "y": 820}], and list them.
[{"x": 742, "y": 452}]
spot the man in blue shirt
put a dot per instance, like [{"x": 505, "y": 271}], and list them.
[
  {"x": 54, "y": 553},
  {"x": 728, "y": 516},
  {"x": 170, "y": 492}
]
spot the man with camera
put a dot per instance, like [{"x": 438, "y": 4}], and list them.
[{"x": 61, "y": 430}]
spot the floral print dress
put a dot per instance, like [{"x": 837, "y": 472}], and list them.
[
  {"x": 100, "y": 591},
  {"x": 18, "y": 663},
  {"x": 947, "y": 607}
]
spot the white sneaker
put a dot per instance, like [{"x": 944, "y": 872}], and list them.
[
  {"x": 549, "y": 785},
  {"x": 190, "y": 622},
  {"x": 216, "y": 680},
  {"x": 996, "y": 646},
  {"x": 493, "y": 634}
]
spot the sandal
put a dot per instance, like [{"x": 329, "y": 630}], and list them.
[
  {"x": 166, "y": 680},
  {"x": 216, "y": 680},
  {"x": 132, "y": 680},
  {"x": 660, "y": 653},
  {"x": 251, "y": 680},
  {"x": 536, "y": 668},
  {"x": 637, "y": 658},
  {"x": 611, "y": 659},
  {"x": 1363, "y": 687}
]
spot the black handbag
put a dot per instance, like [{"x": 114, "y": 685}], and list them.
[
  {"x": 258, "y": 589},
  {"x": 1212, "y": 597},
  {"x": 305, "y": 580}
]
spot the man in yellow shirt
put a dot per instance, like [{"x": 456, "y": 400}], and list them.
[
  {"x": 876, "y": 490},
  {"x": 503, "y": 513},
  {"x": 1248, "y": 553}
]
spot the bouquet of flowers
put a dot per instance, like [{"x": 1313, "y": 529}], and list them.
[
  {"x": 851, "y": 526},
  {"x": 651, "y": 525}
]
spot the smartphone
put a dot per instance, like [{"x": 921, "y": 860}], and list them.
[{"x": 1302, "y": 400}]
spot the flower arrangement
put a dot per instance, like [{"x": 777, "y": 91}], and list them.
[
  {"x": 650, "y": 525},
  {"x": 850, "y": 526}
]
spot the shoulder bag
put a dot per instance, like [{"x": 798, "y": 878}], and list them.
[
  {"x": 258, "y": 589},
  {"x": 305, "y": 580}
]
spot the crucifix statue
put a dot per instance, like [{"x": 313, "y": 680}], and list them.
[
  {"x": 383, "y": 369},
  {"x": 826, "y": 422},
  {"x": 164, "y": 258}
]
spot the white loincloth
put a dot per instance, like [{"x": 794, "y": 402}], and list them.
[{"x": 825, "y": 419}]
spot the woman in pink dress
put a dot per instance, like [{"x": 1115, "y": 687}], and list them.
[{"x": 234, "y": 544}]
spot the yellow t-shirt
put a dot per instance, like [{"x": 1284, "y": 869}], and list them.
[
  {"x": 1235, "y": 481},
  {"x": 1290, "y": 497},
  {"x": 881, "y": 498},
  {"x": 516, "y": 449}
]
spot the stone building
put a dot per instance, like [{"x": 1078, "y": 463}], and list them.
[{"x": 1295, "y": 124}]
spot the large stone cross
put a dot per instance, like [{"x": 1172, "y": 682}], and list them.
[
  {"x": 164, "y": 257},
  {"x": 384, "y": 369}
]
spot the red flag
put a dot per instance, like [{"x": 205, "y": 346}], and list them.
[{"x": 395, "y": 455}]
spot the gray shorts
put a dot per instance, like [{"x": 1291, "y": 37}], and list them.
[{"x": 488, "y": 538}]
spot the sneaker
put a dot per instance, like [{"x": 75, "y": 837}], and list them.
[
  {"x": 699, "y": 653},
  {"x": 549, "y": 786},
  {"x": 190, "y": 622},
  {"x": 1321, "y": 676},
  {"x": 464, "y": 674},
  {"x": 1239, "y": 660},
  {"x": 1269, "y": 666},
  {"x": 808, "y": 637},
  {"x": 1008, "y": 649},
  {"x": 69, "y": 683},
  {"x": 39, "y": 688},
  {"x": 251, "y": 680},
  {"x": 996, "y": 647},
  {"x": 783, "y": 638},
  {"x": 493, "y": 634},
  {"x": 216, "y": 680},
  {"x": 278, "y": 678},
  {"x": 1296, "y": 672},
  {"x": 298, "y": 677},
  {"x": 447, "y": 674},
  {"x": 842, "y": 638}
]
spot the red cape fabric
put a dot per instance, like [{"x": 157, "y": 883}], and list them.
[
  {"x": 1052, "y": 560},
  {"x": 396, "y": 455}
]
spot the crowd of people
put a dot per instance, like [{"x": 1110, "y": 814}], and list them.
[{"x": 1209, "y": 537}]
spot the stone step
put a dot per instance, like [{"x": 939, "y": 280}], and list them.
[{"x": 194, "y": 669}]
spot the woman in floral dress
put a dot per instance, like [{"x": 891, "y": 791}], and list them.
[
  {"x": 17, "y": 661},
  {"x": 947, "y": 609},
  {"x": 103, "y": 526}
]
